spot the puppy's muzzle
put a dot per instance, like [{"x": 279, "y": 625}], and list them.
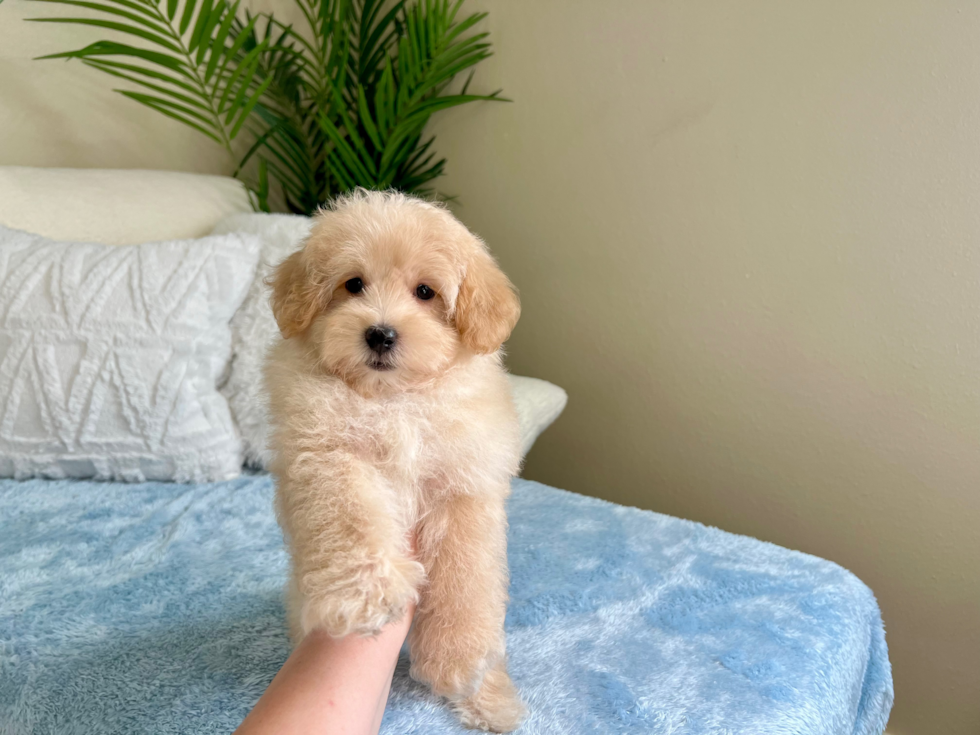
[{"x": 381, "y": 341}]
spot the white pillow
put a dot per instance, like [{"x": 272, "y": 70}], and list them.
[
  {"x": 116, "y": 207},
  {"x": 538, "y": 404},
  {"x": 254, "y": 329},
  {"x": 110, "y": 357}
]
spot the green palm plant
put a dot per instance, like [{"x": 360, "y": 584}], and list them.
[{"x": 341, "y": 102}]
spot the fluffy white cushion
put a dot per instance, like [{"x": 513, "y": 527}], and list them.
[
  {"x": 110, "y": 357},
  {"x": 538, "y": 402},
  {"x": 254, "y": 328},
  {"x": 116, "y": 207}
]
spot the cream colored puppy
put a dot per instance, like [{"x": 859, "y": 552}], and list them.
[{"x": 392, "y": 411}]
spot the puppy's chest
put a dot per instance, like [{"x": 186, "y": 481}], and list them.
[{"x": 406, "y": 444}]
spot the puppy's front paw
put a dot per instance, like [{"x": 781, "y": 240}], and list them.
[{"x": 361, "y": 600}]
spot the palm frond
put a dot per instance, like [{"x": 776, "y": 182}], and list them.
[
  {"x": 340, "y": 103},
  {"x": 187, "y": 67}
]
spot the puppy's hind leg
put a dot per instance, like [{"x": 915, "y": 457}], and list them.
[{"x": 457, "y": 641}]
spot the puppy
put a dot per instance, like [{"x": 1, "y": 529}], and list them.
[{"x": 391, "y": 412}]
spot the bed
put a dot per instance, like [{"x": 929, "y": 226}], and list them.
[{"x": 157, "y": 607}]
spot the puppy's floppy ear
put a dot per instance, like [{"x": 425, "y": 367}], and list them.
[
  {"x": 296, "y": 296},
  {"x": 487, "y": 307}
]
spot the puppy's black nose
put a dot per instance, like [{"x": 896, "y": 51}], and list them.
[{"x": 380, "y": 338}]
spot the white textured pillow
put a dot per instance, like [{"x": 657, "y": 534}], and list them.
[
  {"x": 254, "y": 329},
  {"x": 110, "y": 357}
]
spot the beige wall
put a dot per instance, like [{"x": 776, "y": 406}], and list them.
[
  {"x": 747, "y": 236},
  {"x": 748, "y": 240},
  {"x": 57, "y": 113}
]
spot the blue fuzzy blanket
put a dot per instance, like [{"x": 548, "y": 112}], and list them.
[{"x": 156, "y": 608}]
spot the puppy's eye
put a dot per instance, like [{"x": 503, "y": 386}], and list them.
[
  {"x": 354, "y": 285},
  {"x": 424, "y": 292}
]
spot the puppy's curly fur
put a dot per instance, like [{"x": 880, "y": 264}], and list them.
[{"x": 370, "y": 444}]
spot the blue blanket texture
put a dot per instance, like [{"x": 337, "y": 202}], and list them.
[{"x": 156, "y": 608}]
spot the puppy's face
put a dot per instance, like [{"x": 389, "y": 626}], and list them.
[{"x": 390, "y": 291}]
